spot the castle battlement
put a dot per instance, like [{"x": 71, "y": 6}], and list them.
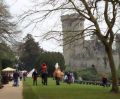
[{"x": 71, "y": 17}]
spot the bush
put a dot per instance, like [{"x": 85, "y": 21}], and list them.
[
  {"x": 89, "y": 74},
  {"x": 76, "y": 74}
]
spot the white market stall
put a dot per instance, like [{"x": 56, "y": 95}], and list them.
[{"x": 8, "y": 69}]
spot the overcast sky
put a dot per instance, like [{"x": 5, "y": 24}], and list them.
[{"x": 17, "y": 7}]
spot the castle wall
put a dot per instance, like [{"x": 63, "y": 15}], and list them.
[{"x": 80, "y": 56}]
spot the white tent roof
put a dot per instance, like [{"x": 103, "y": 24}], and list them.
[
  {"x": 8, "y": 69},
  {"x": 30, "y": 73},
  {"x": 24, "y": 71}
]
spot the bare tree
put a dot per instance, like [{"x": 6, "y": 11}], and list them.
[
  {"x": 7, "y": 26},
  {"x": 98, "y": 12}
]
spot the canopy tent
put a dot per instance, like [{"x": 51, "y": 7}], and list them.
[
  {"x": 9, "y": 69},
  {"x": 24, "y": 71},
  {"x": 30, "y": 73}
]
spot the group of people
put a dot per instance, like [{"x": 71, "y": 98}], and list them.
[
  {"x": 69, "y": 78},
  {"x": 44, "y": 75},
  {"x": 57, "y": 74},
  {"x": 16, "y": 76}
]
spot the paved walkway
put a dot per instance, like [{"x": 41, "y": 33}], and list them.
[{"x": 10, "y": 92}]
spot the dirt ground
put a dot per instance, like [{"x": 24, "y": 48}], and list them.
[{"x": 10, "y": 92}]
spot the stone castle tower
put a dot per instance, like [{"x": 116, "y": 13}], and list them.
[
  {"x": 81, "y": 53},
  {"x": 72, "y": 26}
]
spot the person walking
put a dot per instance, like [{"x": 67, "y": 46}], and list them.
[
  {"x": 24, "y": 76},
  {"x": 34, "y": 76},
  {"x": 15, "y": 78},
  {"x": 58, "y": 75},
  {"x": 44, "y": 73},
  {"x": 69, "y": 76},
  {"x": 104, "y": 81},
  {"x": 21, "y": 75}
]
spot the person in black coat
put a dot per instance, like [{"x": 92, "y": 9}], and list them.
[
  {"x": 34, "y": 76},
  {"x": 44, "y": 77},
  {"x": 104, "y": 81},
  {"x": 15, "y": 78}
]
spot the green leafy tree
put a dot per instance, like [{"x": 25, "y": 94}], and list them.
[
  {"x": 29, "y": 51},
  {"x": 51, "y": 58},
  {"x": 7, "y": 31},
  {"x": 7, "y": 57}
]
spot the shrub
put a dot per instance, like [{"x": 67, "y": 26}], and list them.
[{"x": 89, "y": 74}]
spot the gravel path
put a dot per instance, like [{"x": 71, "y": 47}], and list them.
[{"x": 10, "y": 92}]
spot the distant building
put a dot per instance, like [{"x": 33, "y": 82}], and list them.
[{"x": 81, "y": 53}]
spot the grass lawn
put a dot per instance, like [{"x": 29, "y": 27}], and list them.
[{"x": 65, "y": 91}]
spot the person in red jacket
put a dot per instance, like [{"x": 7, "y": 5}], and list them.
[
  {"x": 44, "y": 73},
  {"x": 43, "y": 68}
]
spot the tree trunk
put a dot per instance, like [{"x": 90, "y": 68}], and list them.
[
  {"x": 119, "y": 59},
  {"x": 115, "y": 88}
]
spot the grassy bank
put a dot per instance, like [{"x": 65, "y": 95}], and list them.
[{"x": 65, "y": 91}]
